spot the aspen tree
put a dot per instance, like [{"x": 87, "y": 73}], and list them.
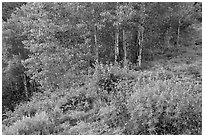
[{"x": 141, "y": 34}]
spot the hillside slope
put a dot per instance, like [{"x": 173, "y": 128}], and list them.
[{"x": 164, "y": 99}]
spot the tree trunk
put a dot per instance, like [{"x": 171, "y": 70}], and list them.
[
  {"x": 140, "y": 43},
  {"x": 32, "y": 87},
  {"x": 178, "y": 33},
  {"x": 116, "y": 43},
  {"x": 25, "y": 86},
  {"x": 24, "y": 79},
  {"x": 96, "y": 45},
  {"x": 124, "y": 49},
  {"x": 140, "y": 50},
  {"x": 141, "y": 35},
  {"x": 96, "y": 48},
  {"x": 167, "y": 37},
  {"x": 117, "y": 37}
]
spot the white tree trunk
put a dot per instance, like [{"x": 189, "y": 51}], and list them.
[
  {"x": 116, "y": 43},
  {"x": 125, "y": 49},
  {"x": 178, "y": 33},
  {"x": 140, "y": 43},
  {"x": 96, "y": 45},
  {"x": 96, "y": 49},
  {"x": 141, "y": 35}
]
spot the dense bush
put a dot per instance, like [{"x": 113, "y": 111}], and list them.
[
  {"x": 164, "y": 107},
  {"x": 38, "y": 125},
  {"x": 116, "y": 101}
]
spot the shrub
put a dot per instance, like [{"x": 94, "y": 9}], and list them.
[
  {"x": 80, "y": 129},
  {"x": 108, "y": 79},
  {"x": 37, "y": 125},
  {"x": 165, "y": 107},
  {"x": 38, "y": 103},
  {"x": 76, "y": 102},
  {"x": 148, "y": 102}
]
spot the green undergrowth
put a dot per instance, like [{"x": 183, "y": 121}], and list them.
[{"x": 116, "y": 100}]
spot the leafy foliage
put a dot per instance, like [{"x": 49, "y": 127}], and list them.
[
  {"x": 38, "y": 125},
  {"x": 61, "y": 75},
  {"x": 165, "y": 108},
  {"x": 155, "y": 102},
  {"x": 9, "y": 7}
]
